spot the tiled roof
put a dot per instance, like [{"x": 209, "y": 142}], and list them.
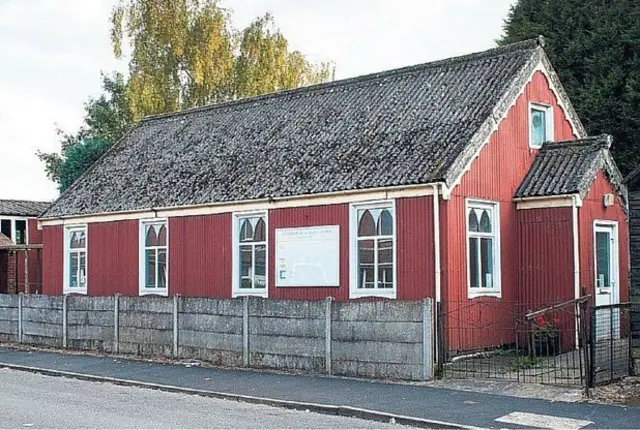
[
  {"x": 569, "y": 167},
  {"x": 26, "y": 208},
  {"x": 414, "y": 125},
  {"x": 5, "y": 241}
]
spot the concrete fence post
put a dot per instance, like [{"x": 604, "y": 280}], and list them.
[
  {"x": 245, "y": 331},
  {"x": 20, "y": 327},
  {"x": 116, "y": 323},
  {"x": 427, "y": 339},
  {"x": 65, "y": 323},
  {"x": 176, "y": 299},
  {"x": 327, "y": 334}
]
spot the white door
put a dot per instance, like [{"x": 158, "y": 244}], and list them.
[{"x": 607, "y": 284}]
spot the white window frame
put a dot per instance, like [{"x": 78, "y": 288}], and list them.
[
  {"x": 496, "y": 290},
  {"x": 354, "y": 291},
  {"x": 548, "y": 110},
  {"x": 13, "y": 220},
  {"x": 67, "y": 289},
  {"x": 236, "y": 291},
  {"x": 142, "y": 269}
]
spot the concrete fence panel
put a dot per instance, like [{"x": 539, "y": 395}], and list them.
[
  {"x": 146, "y": 326},
  {"x": 42, "y": 320},
  {"x": 90, "y": 323},
  {"x": 8, "y": 318}
]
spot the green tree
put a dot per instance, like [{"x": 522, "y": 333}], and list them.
[
  {"x": 185, "y": 53},
  {"x": 595, "y": 47},
  {"x": 106, "y": 119},
  {"x": 78, "y": 159}
]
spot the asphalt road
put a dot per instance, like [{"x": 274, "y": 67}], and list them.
[{"x": 34, "y": 401}]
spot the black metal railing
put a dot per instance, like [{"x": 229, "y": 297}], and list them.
[{"x": 611, "y": 343}]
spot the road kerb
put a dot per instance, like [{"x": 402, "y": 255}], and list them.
[{"x": 345, "y": 411}]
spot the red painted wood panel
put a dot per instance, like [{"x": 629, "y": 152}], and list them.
[
  {"x": 308, "y": 217},
  {"x": 200, "y": 256},
  {"x": 35, "y": 256},
  {"x": 546, "y": 256},
  {"x": 593, "y": 209},
  {"x": 112, "y": 258},
  {"x": 52, "y": 262}
]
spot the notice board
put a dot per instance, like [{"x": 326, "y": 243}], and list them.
[{"x": 308, "y": 256}]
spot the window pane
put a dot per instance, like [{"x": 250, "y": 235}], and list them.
[
  {"x": 162, "y": 235},
  {"x": 162, "y": 268},
  {"x": 366, "y": 269},
  {"x": 385, "y": 223},
  {"x": 473, "y": 262},
  {"x": 246, "y": 230},
  {"x": 366, "y": 225},
  {"x": 150, "y": 263},
  {"x": 21, "y": 232},
  {"x": 245, "y": 266},
  {"x": 73, "y": 241},
  {"x": 486, "y": 258},
  {"x": 260, "y": 279},
  {"x": 603, "y": 252},
  {"x": 259, "y": 235},
  {"x": 485, "y": 222},
  {"x": 73, "y": 270},
  {"x": 82, "y": 269},
  {"x": 473, "y": 221},
  {"x": 5, "y": 227},
  {"x": 82, "y": 239},
  {"x": 385, "y": 263},
  {"x": 151, "y": 237},
  {"x": 538, "y": 127}
]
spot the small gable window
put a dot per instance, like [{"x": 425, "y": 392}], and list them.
[
  {"x": 540, "y": 124},
  {"x": 154, "y": 249},
  {"x": 483, "y": 249}
]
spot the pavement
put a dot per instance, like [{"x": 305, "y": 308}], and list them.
[
  {"x": 34, "y": 401},
  {"x": 408, "y": 404}
]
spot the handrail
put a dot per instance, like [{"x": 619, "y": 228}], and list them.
[{"x": 582, "y": 299}]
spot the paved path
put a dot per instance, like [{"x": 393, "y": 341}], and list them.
[
  {"x": 441, "y": 404},
  {"x": 35, "y": 401}
]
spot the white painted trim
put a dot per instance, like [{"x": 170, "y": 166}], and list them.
[
  {"x": 612, "y": 226},
  {"x": 66, "y": 275},
  {"x": 235, "y": 264},
  {"x": 560, "y": 99},
  {"x": 354, "y": 293},
  {"x": 549, "y": 119},
  {"x": 13, "y": 220},
  {"x": 436, "y": 244},
  {"x": 563, "y": 201},
  {"x": 576, "y": 249},
  {"x": 255, "y": 205},
  {"x": 142, "y": 270},
  {"x": 496, "y": 291}
]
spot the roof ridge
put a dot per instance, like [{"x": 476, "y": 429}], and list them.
[
  {"x": 528, "y": 44},
  {"x": 25, "y": 201},
  {"x": 602, "y": 141}
]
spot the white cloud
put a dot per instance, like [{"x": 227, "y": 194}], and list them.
[{"x": 52, "y": 53}]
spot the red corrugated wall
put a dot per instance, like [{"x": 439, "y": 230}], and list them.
[
  {"x": 546, "y": 257},
  {"x": 495, "y": 175},
  {"x": 112, "y": 258},
  {"x": 593, "y": 209},
  {"x": 200, "y": 256},
  {"x": 52, "y": 260}
]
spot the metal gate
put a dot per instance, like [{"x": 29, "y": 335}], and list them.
[
  {"x": 489, "y": 338},
  {"x": 611, "y": 342}
]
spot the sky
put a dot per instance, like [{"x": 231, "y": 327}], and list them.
[{"x": 52, "y": 53}]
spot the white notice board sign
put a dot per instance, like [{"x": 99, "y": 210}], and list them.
[{"x": 308, "y": 256}]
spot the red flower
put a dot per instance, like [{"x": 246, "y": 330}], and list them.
[
  {"x": 556, "y": 320},
  {"x": 541, "y": 321}
]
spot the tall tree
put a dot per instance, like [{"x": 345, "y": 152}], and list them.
[
  {"x": 186, "y": 53},
  {"x": 106, "y": 120},
  {"x": 595, "y": 47}
]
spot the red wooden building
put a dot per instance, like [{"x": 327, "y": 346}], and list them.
[
  {"x": 20, "y": 246},
  {"x": 463, "y": 180}
]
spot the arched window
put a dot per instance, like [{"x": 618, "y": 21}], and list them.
[
  {"x": 162, "y": 236},
  {"x": 251, "y": 255},
  {"x": 151, "y": 237},
  {"x": 485, "y": 222},
  {"x": 154, "y": 258},
  {"x": 259, "y": 234},
  {"x": 367, "y": 225},
  {"x": 483, "y": 249},
  {"x": 473, "y": 221},
  {"x": 246, "y": 230},
  {"x": 75, "y": 273},
  {"x": 385, "y": 223}
]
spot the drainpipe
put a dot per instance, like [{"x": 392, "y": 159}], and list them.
[
  {"x": 576, "y": 261},
  {"x": 438, "y": 270}
]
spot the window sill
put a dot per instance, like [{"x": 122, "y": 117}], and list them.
[
  {"x": 476, "y": 294},
  {"x": 154, "y": 292},
  {"x": 263, "y": 294},
  {"x": 362, "y": 294},
  {"x": 69, "y": 291}
]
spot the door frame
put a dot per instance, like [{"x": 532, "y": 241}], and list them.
[{"x": 609, "y": 226}]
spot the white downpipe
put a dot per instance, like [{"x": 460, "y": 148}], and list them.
[
  {"x": 576, "y": 260},
  {"x": 438, "y": 270}
]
